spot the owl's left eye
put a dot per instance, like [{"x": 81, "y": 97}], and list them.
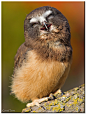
[{"x": 50, "y": 16}]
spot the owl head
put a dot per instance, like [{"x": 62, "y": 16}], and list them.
[{"x": 46, "y": 26}]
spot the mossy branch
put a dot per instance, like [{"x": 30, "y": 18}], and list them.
[{"x": 71, "y": 101}]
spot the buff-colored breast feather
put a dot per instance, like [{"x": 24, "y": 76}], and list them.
[{"x": 36, "y": 78}]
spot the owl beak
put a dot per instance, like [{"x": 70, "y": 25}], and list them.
[{"x": 46, "y": 26}]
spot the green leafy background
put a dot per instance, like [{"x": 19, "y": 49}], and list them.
[{"x": 12, "y": 29}]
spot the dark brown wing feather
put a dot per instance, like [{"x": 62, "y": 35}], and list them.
[{"x": 20, "y": 56}]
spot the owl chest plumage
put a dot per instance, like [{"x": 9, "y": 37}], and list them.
[{"x": 38, "y": 78}]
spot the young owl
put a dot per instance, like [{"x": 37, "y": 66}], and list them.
[{"x": 43, "y": 61}]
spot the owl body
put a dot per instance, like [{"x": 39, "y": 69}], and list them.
[
  {"x": 37, "y": 78},
  {"x": 43, "y": 61}
]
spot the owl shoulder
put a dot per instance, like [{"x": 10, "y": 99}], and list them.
[{"x": 20, "y": 55}]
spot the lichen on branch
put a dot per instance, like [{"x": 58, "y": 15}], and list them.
[{"x": 71, "y": 101}]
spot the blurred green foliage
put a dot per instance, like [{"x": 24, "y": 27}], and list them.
[{"x": 12, "y": 18}]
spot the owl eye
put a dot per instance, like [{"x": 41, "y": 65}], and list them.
[
  {"x": 34, "y": 23},
  {"x": 50, "y": 16}
]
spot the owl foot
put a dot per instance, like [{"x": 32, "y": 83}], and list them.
[
  {"x": 38, "y": 101},
  {"x": 58, "y": 91}
]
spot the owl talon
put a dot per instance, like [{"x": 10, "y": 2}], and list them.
[
  {"x": 51, "y": 96},
  {"x": 58, "y": 91},
  {"x": 37, "y": 102}
]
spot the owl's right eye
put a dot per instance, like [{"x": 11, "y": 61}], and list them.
[{"x": 34, "y": 23}]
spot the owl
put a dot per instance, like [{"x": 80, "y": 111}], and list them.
[{"x": 43, "y": 61}]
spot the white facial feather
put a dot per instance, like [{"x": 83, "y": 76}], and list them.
[
  {"x": 47, "y": 13},
  {"x": 41, "y": 18},
  {"x": 33, "y": 20}
]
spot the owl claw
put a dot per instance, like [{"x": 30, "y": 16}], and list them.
[
  {"x": 58, "y": 91},
  {"x": 38, "y": 101}
]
